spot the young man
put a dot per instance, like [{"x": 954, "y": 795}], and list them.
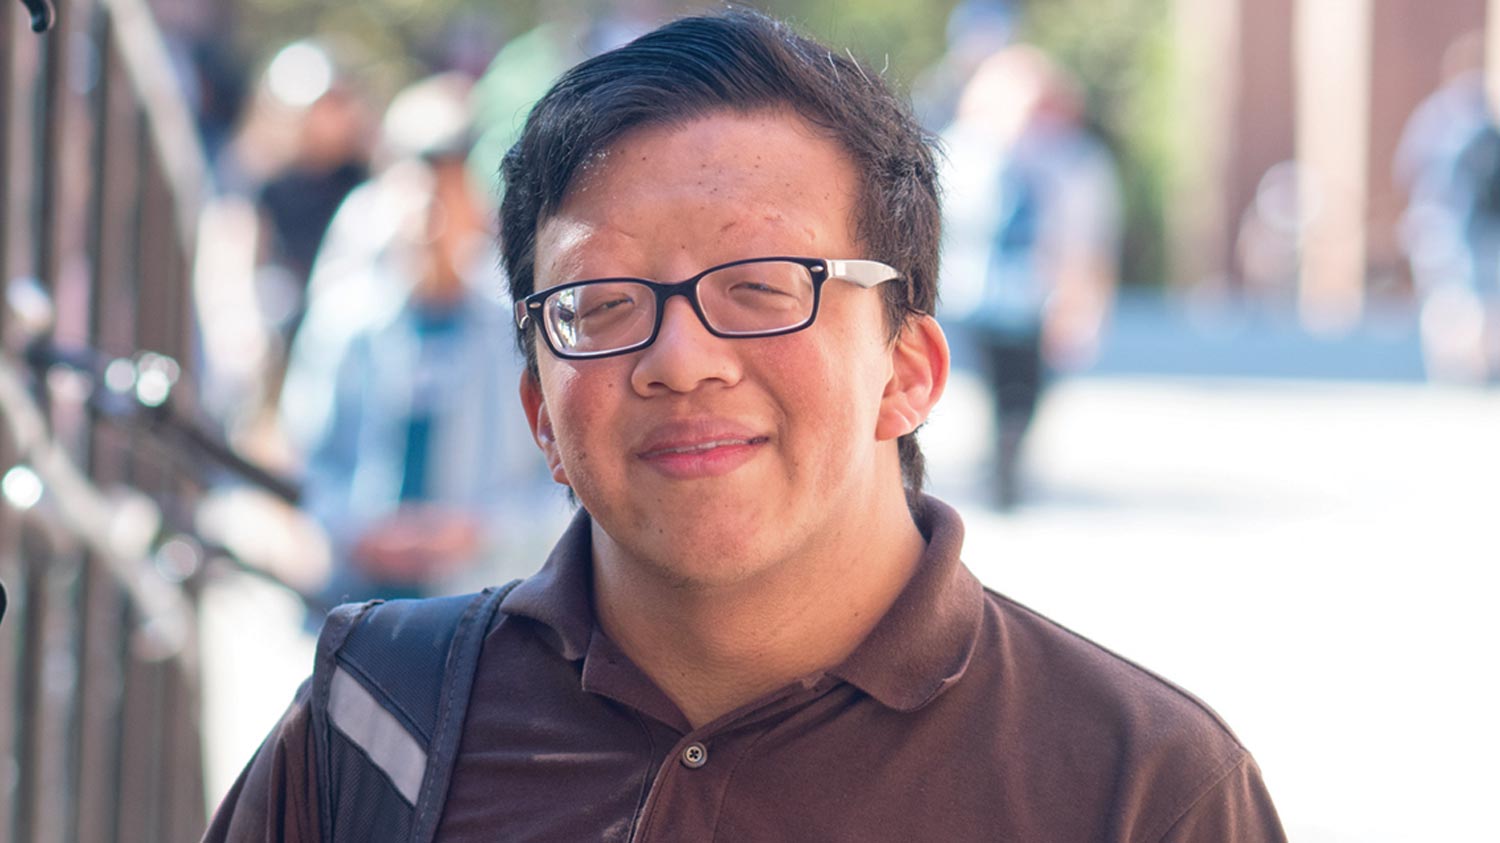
[{"x": 722, "y": 242}]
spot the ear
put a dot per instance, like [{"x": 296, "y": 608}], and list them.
[
  {"x": 919, "y": 372},
  {"x": 541, "y": 425}
]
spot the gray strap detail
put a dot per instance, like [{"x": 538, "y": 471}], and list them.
[{"x": 355, "y": 712}]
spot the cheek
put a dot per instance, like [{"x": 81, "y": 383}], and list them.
[
  {"x": 582, "y": 417},
  {"x": 831, "y": 396}
]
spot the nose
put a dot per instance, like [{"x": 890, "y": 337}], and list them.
[{"x": 685, "y": 355}]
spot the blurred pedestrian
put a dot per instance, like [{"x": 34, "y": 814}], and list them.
[
  {"x": 401, "y": 388},
  {"x": 976, "y": 30},
  {"x": 329, "y": 157},
  {"x": 1031, "y": 236},
  {"x": 1449, "y": 162}
]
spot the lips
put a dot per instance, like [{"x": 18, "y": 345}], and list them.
[
  {"x": 699, "y": 448},
  {"x": 702, "y": 447}
]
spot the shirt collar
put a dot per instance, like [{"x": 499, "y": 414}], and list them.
[
  {"x": 923, "y": 644},
  {"x": 560, "y": 595},
  {"x": 917, "y": 651}
]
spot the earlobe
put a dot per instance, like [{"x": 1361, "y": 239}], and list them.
[
  {"x": 919, "y": 372},
  {"x": 540, "y": 421}
]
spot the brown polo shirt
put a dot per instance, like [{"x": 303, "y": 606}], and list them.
[{"x": 964, "y": 716}]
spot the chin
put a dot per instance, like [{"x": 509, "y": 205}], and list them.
[
  {"x": 701, "y": 555},
  {"x": 715, "y": 531}
]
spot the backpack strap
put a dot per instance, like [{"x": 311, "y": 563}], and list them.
[{"x": 391, "y": 686}]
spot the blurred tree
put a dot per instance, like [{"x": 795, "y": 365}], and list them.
[
  {"x": 1120, "y": 50},
  {"x": 896, "y": 38},
  {"x": 390, "y": 41},
  {"x": 386, "y": 43}
]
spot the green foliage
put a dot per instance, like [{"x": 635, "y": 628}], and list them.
[
  {"x": 389, "y": 36},
  {"x": 383, "y": 43},
  {"x": 1121, "y": 51},
  {"x": 898, "y": 38}
]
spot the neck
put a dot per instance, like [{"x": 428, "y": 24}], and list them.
[{"x": 715, "y": 648}]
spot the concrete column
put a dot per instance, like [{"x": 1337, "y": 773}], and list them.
[
  {"x": 1198, "y": 214},
  {"x": 1492, "y": 53},
  {"x": 1236, "y": 74},
  {"x": 1333, "y": 56}
]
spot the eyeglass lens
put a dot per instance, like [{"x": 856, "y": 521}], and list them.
[{"x": 743, "y": 300}]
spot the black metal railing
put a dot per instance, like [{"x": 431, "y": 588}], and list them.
[{"x": 101, "y": 183}]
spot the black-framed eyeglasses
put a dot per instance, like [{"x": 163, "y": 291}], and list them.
[{"x": 756, "y": 297}]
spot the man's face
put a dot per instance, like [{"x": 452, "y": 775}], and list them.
[{"x": 708, "y": 459}]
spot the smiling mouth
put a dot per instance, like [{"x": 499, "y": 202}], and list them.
[{"x": 705, "y": 447}]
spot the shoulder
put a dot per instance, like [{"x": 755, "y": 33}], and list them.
[
  {"x": 1048, "y": 658},
  {"x": 1116, "y": 736},
  {"x": 275, "y": 797}
]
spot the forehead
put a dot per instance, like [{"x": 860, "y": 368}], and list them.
[{"x": 723, "y": 186}]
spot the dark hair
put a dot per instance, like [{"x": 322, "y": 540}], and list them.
[{"x": 738, "y": 61}]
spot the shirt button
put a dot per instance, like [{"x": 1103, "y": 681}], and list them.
[{"x": 694, "y": 755}]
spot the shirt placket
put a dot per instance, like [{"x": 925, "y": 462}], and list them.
[{"x": 691, "y": 786}]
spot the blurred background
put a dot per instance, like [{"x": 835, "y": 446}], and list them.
[{"x": 1222, "y": 279}]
